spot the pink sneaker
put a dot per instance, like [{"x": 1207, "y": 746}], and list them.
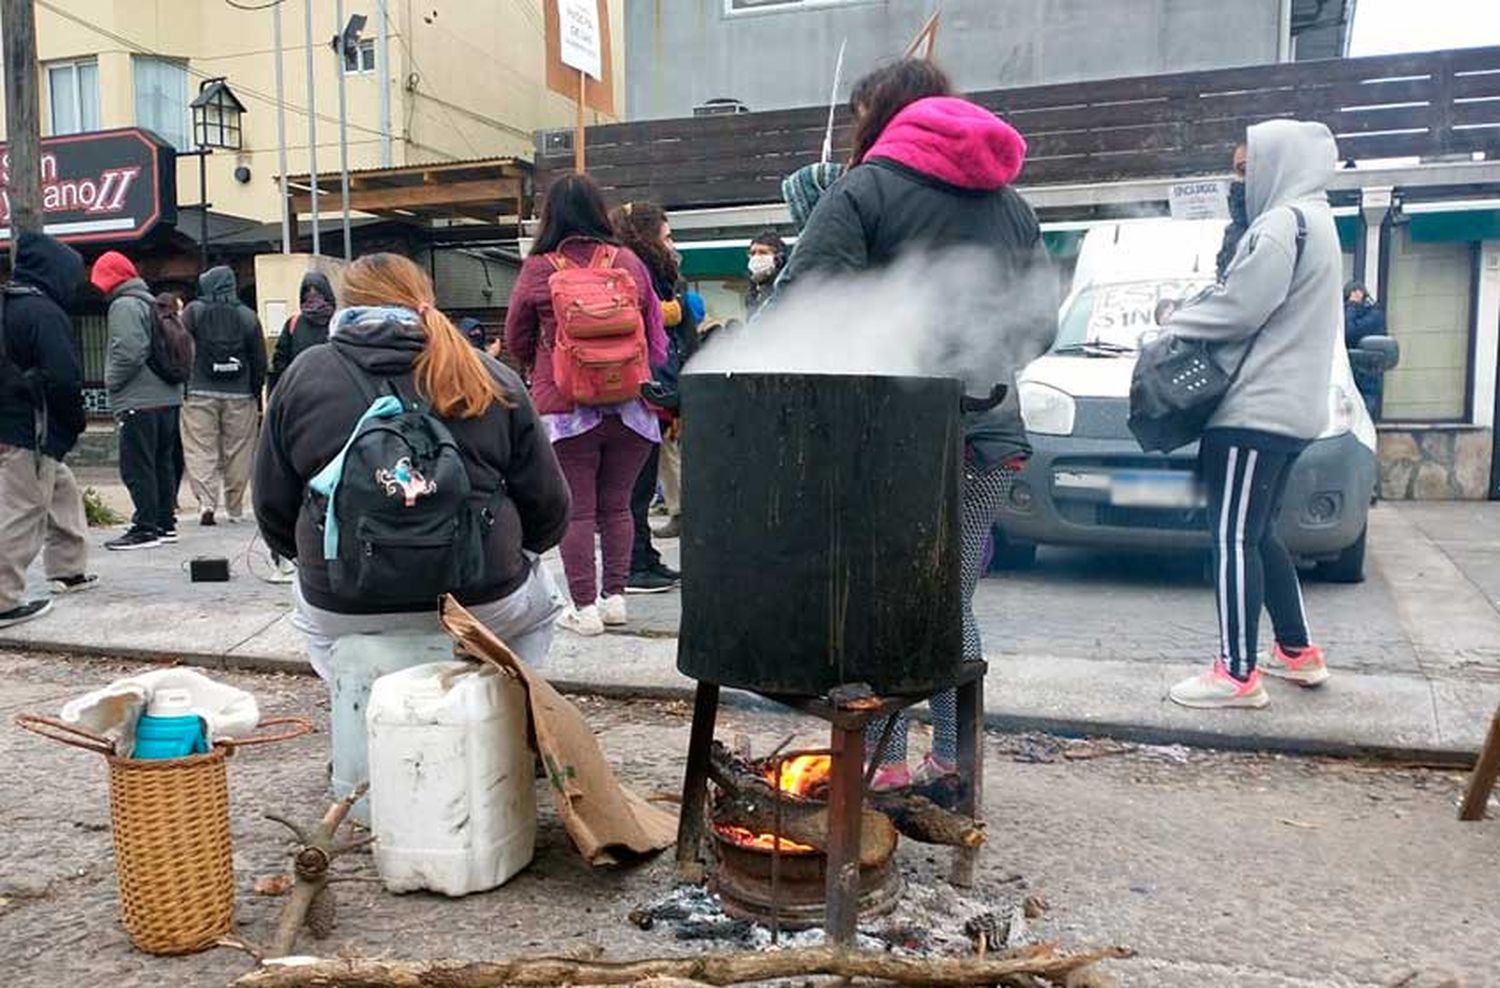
[
  {"x": 932, "y": 769},
  {"x": 893, "y": 775},
  {"x": 1307, "y": 669},
  {"x": 1217, "y": 689}
]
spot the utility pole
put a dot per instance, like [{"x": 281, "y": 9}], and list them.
[
  {"x": 286, "y": 201},
  {"x": 383, "y": 77},
  {"x": 24, "y": 147},
  {"x": 342, "y": 39},
  {"x": 312, "y": 127}
]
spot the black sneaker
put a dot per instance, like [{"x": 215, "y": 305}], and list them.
[
  {"x": 662, "y": 569},
  {"x": 648, "y": 581},
  {"x": 25, "y": 612},
  {"x": 168, "y": 534},
  {"x": 136, "y": 538},
  {"x": 73, "y": 584},
  {"x": 207, "y": 519}
]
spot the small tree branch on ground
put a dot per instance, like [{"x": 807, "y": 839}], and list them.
[
  {"x": 1043, "y": 961},
  {"x": 307, "y": 904}
]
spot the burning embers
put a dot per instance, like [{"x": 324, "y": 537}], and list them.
[{"x": 770, "y": 831}]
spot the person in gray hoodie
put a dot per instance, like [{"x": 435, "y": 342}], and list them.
[
  {"x": 144, "y": 405},
  {"x": 1278, "y": 316},
  {"x": 221, "y": 415}
]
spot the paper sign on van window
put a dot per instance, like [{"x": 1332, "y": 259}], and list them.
[
  {"x": 1200, "y": 200},
  {"x": 1121, "y": 313}
]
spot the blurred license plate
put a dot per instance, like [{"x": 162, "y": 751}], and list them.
[{"x": 1155, "y": 489}]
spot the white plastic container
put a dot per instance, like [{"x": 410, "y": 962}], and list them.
[
  {"x": 452, "y": 781},
  {"x": 357, "y": 661}
]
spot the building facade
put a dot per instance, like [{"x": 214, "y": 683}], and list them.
[
  {"x": 777, "y": 54},
  {"x": 464, "y": 80}
]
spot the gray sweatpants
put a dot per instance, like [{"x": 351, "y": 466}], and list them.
[
  {"x": 40, "y": 511},
  {"x": 524, "y": 621},
  {"x": 218, "y": 444}
]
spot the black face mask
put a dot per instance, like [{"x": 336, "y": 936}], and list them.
[{"x": 1237, "y": 203}]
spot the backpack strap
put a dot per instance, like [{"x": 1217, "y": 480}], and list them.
[
  {"x": 1301, "y": 243},
  {"x": 604, "y": 256},
  {"x": 557, "y": 260},
  {"x": 357, "y": 375}
]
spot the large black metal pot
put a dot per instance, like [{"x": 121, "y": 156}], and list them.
[{"x": 820, "y": 532}]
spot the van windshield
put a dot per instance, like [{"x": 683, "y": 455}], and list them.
[{"x": 1112, "y": 317}]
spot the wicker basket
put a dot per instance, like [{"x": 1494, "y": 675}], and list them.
[{"x": 170, "y": 820}]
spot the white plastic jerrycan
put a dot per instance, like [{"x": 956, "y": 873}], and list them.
[
  {"x": 357, "y": 661},
  {"x": 452, "y": 781}
]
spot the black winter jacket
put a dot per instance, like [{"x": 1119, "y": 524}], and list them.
[
  {"x": 39, "y": 341},
  {"x": 314, "y": 410},
  {"x": 882, "y": 209},
  {"x": 300, "y": 332},
  {"x": 219, "y": 300}
]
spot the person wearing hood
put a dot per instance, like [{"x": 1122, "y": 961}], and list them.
[
  {"x": 220, "y": 415},
  {"x": 392, "y": 335},
  {"x": 1364, "y": 317},
  {"x": 307, "y": 328},
  {"x": 145, "y": 406},
  {"x": 765, "y": 260},
  {"x": 41, "y": 416},
  {"x": 1238, "y": 221},
  {"x": 932, "y": 172},
  {"x": 1276, "y": 317}
]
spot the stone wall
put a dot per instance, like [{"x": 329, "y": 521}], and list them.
[{"x": 1436, "y": 464}]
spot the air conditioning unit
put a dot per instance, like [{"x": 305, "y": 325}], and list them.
[
  {"x": 557, "y": 143},
  {"x": 720, "y": 108}
]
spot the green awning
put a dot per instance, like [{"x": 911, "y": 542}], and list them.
[
  {"x": 714, "y": 262},
  {"x": 1348, "y": 227},
  {"x": 1461, "y": 225},
  {"x": 1063, "y": 243}
]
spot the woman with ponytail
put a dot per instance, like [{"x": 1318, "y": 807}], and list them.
[{"x": 390, "y": 330}]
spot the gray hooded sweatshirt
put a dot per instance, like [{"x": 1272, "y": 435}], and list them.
[{"x": 1289, "y": 313}]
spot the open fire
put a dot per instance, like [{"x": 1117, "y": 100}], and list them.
[{"x": 803, "y": 777}]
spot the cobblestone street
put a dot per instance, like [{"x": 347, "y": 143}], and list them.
[{"x": 1255, "y": 871}]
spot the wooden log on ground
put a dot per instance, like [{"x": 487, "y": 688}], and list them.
[
  {"x": 1043, "y": 961},
  {"x": 747, "y": 798},
  {"x": 311, "y": 903},
  {"x": 1486, "y": 771}
]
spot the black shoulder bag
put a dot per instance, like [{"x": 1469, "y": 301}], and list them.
[{"x": 1177, "y": 385}]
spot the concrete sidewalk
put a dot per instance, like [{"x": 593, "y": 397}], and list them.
[{"x": 1085, "y": 644}]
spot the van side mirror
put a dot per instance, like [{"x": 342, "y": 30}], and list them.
[{"x": 1384, "y": 349}]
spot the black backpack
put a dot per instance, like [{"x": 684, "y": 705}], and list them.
[
  {"x": 1177, "y": 385},
  {"x": 410, "y": 527},
  {"x": 171, "y": 355},
  {"x": 219, "y": 336},
  {"x": 18, "y": 383}
]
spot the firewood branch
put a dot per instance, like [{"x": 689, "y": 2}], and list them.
[
  {"x": 1043, "y": 961},
  {"x": 317, "y": 852}
]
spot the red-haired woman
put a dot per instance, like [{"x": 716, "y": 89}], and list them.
[{"x": 390, "y": 330}]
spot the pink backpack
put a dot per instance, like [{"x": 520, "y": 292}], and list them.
[{"x": 599, "y": 354}]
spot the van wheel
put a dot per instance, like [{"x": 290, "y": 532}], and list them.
[
  {"x": 1010, "y": 554},
  {"x": 1349, "y": 567}
]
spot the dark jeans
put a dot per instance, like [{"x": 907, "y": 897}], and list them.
[
  {"x": 600, "y": 466},
  {"x": 148, "y": 452},
  {"x": 643, "y": 555},
  {"x": 1246, "y": 475}
]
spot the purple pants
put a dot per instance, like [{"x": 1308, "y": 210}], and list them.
[{"x": 601, "y": 466}]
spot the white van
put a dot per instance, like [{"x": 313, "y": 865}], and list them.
[{"x": 1088, "y": 482}]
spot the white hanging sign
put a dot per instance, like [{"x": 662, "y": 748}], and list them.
[
  {"x": 1200, "y": 200},
  {"x": 582, "y": 40}
]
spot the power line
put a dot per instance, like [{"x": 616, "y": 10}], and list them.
[{"x": 251, "y": 6}]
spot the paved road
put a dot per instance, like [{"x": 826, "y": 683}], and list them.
[{"x": 1085, "y": 642}]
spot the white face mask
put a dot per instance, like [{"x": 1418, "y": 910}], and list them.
[{"x": 762, "y": 266}]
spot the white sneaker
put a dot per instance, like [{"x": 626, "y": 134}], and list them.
[
  {"x": 612, "y": 610},
  {"x": 583, "y": 621},
  {"x": 1217, "y": 689},
  {"x": 284, "y": 571}
]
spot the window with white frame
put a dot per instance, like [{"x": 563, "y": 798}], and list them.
[
  {"x": 365, "y": 59},
  {"x": 161, "y": 100},
  {"x": 73, "y": 96},
  {"x": 1428, "y": 298}
]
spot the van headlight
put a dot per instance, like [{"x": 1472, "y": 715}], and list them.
[
  {"x": 1046, "y": 410},
  {"x": 1341, "y": 412}
]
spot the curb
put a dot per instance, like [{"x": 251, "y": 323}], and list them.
[{"x": 1001, "y": 721}]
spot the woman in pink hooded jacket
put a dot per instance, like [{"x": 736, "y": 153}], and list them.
[{"x": 931, "y": 173}]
